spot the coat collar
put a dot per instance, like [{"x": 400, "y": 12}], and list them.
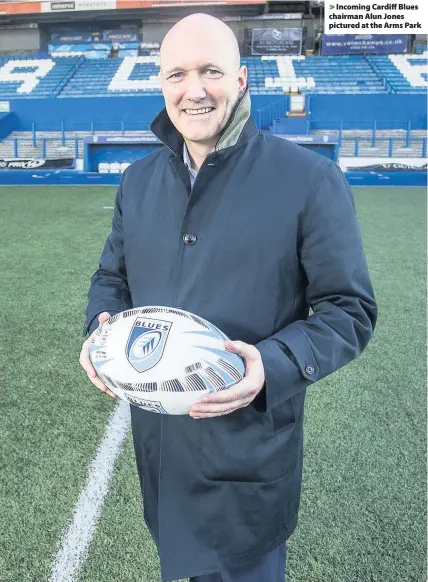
[{"x": 239, "y": 128}]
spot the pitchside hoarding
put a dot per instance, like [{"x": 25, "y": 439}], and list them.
[
  {"x": 388, "y": 167},
  {"x": 276, "y": 41},
  {"x": 36, "y": 163},
  {"x": 357, "y": 44}
]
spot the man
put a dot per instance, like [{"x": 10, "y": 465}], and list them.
[{"x": 248, "y": 231}]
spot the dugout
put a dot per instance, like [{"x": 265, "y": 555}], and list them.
[
  {"x": 122, "y": 149},
  {"x": 126, "y": 149}
]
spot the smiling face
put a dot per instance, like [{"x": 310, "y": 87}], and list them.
[{"x": 201, "y": 78}]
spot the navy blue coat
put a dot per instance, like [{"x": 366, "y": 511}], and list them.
[{"x": 275, "y": 233}]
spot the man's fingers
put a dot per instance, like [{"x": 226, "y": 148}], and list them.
[
  {"x": 242, "y": 390},
  {"x": 103, "y": 316},
  {"x": 85, "y": 361},
  {"x": 97, "y": 382},
  {"x": 101, "y": 386}
]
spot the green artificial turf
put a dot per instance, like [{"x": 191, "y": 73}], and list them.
[{"x": 363, "y": 508}]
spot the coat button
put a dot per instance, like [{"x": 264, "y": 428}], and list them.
[
  {"x": 310, "y": 369},
  {"x": 189, "y": 238}
]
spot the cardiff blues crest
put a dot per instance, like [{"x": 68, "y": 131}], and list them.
[{"x": 146, "y": 342}]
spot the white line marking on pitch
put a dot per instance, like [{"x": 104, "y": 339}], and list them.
[
  {"x": 108, "y": 207},
  {"x": 75, "y": 542}
]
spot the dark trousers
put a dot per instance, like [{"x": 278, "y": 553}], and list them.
[{"x": 271, "y": 568}]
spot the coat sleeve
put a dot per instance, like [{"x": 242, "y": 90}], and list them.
[
  {"x": 109, "y": 286},
  {"x": 339, "y": 291}
]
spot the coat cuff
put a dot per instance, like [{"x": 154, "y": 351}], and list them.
[
  {"x": 91, "y": 323},
  {"x": 289, "y": 366}
]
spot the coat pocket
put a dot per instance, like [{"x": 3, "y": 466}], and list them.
[
  {"x": 241, "y": 447},
  {"x": 283, "y": 417},
  {"x": 244, "y": 516}
]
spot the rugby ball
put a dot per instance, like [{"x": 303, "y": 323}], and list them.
[{"x": 163, "y": 359}]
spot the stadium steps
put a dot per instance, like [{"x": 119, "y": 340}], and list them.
[
  {"x": 381, "y": 150},
  {"x": 54, "y": 149},
  {"x": 419, "y": 133},
  {"x": 365, "y": 149}
]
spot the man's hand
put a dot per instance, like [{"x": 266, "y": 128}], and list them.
[
  {"x": 242, "y": 393},
  {"x": 85, "y": 362}
]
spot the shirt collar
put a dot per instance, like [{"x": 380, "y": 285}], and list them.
[{"x": 186, "y": 160}]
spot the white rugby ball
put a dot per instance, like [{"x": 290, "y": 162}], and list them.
[{"x": 163, "y": 359}]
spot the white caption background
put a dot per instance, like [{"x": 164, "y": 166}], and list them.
[{"x": 376, "y": 17}]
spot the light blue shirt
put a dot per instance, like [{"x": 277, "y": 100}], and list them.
[{"x": 186, "y": 159}]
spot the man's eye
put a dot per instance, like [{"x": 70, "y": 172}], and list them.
[
  {"x": 175, "y": 76},
  {"x": 213, "y": 71}
]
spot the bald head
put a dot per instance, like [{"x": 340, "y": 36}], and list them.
[{"x": 197, "y": 31}]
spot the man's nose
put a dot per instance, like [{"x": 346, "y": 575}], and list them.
[{"x": 195, "y": 88}]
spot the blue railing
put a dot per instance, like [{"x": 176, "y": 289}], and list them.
[
  {"x": 63, "y": 82},
  {"x": 93, "y": 127},
  {"x": 374, "y": 126},
  {"x": 275, "y": 110},
  {"x": 18, "y": 144},
  {"x": 391, "y": 145},
  {"x": 267, "y": 115},
  {"x": 386, "y": 83}
]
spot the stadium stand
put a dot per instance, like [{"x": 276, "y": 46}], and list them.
[
  {"x": 264, "y": 75},
  {"x": 332, "y": 74},
  {"x": 80, "y": 77},
  {"x": 352, "y": 105}
]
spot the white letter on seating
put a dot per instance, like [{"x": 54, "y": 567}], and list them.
[
  {"x": 122, "y": 82},
  {"x": 411, "y": 71},
  {"x": 29, "y": 80}
]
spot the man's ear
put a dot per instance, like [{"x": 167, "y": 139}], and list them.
[{"x": 243, "y": 76}]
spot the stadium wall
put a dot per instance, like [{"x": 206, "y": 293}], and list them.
[
  {"x": 8, "y": 123},
  {"x": 20, "y": 40},
  {"x": 326, "y": 111},
  {"x": 47, "y": 114},
  {"x": 357, "y": 109}
]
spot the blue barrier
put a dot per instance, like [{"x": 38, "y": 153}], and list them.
[
  {"x": 357, "y": 111},
  {"x": 325, "y": 110},
  {"x": 386, "y": 178},
  {"x": 52, "y": 177},
  {"x": 8, "y": 123},
  {"x": 72, "y": 178}
]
